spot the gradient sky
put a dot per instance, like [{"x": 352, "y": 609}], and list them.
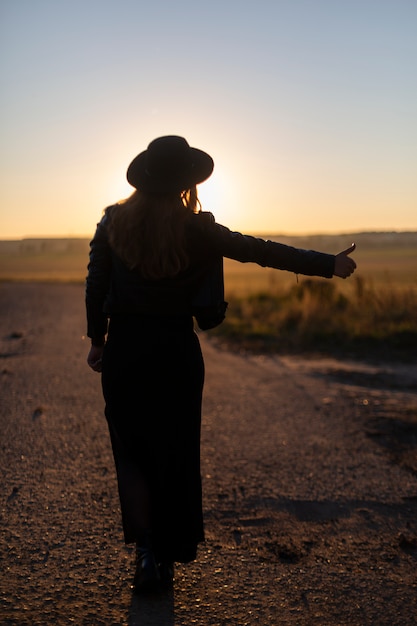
[{"x": 308, "y": 108}]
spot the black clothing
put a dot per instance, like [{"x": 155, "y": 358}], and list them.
[
  {"x": 153, "y": 393},
  {"x": 112, "y": 288},
  {"x": 153, "y": 373}
]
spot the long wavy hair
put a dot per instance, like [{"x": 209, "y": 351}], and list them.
[{"x": 147, "y": 232}]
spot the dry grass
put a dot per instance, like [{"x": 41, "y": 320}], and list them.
[{"x": 316, "y": 315}]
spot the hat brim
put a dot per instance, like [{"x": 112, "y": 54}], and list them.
[{"x": 201, "y": 169}]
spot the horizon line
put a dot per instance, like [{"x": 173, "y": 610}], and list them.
[{"x": 253, "y": 233}]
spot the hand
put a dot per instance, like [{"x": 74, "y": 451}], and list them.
[
  {"x": 94, "y": 358},
  {"x": 344, "y": 266}
]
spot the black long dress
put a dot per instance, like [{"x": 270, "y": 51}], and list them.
[
  {"x": 153, "y": 375},
  {"x": 153, "y": 397}
]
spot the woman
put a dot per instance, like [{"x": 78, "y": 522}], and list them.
[{"x": 149, "y": 258}]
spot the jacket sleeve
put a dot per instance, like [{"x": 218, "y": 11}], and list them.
[
  {"x": 245, "y": 248},
  {"x": 97, "y": 284}
]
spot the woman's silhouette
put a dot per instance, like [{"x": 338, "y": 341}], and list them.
[{"x": 150, "y": 256}]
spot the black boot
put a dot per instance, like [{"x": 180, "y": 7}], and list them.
[{"x": 147, "y": 574}]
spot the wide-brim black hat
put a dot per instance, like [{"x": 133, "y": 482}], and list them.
[{"x": 169, "y": 165}]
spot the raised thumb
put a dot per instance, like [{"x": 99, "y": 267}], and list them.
[{"x": 349, "y": 250}]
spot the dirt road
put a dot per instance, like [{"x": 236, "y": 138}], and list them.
[{"x": 309, "y": 475}]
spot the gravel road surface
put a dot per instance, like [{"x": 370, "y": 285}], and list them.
[{"x": 309, "y": 474}]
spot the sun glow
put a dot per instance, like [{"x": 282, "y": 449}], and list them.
[
  {"x": 219, "y": 196},
  {"x": 117, "y": 188}
]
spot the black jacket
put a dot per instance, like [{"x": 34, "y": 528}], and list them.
[{"x": 112, "y": 288}]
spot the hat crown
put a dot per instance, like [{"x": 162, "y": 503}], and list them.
[{"x": 168, "y": 156}]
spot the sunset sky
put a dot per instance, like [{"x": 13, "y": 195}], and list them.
[{"x": 308, "y": 107}]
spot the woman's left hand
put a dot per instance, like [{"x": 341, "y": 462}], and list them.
[{"x": 94, "y": 358}]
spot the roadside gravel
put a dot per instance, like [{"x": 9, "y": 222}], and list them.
[{"x": 309, "y": 474}]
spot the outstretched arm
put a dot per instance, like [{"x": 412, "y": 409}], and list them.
[{"x": 344, "y": 266}]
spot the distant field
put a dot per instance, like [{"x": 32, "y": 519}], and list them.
[
  {"x": 373, "y": 313},
  {"x": 50, "y": 267},
  {"x": 382, "y": 258},
  {"x": 52, "y": 260},
  {"x": 396, "y": 266}
]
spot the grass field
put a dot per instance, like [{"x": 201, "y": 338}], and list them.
[
  {"x": 372, "y": 312},
  {"x": 382, "y": 258},
  {"x": 381, "y": 267},
  {"x": 51, "y": 260}
]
